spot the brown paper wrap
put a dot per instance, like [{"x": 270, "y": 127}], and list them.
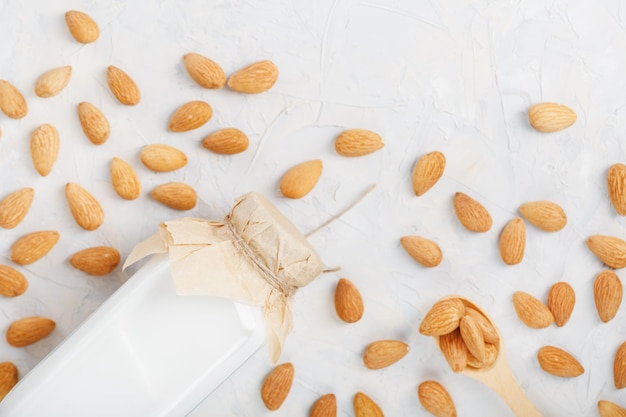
[{"x": 254, "y": 256}]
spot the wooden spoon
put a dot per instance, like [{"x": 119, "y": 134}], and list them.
[{"x": 498, "y": 375}]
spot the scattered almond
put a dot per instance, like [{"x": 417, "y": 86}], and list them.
[
  {"x": 33, "y": 246},
  {"x": 255, "y": 78},
  {"x": 473, "y": 337},
  {"x": 427, "y": 171},
  {"x": 472, "y": 215},
  {"x": 610, "y": 409},
  {"x": 26, "y": 331},
  {"x": 435, "y": 399},
  {"x": 98, "y": 260},
  {"x": 12, "y": 102},
  {"x": 190, "y": 116},
  {"x": 491, "y": 354},
  {"x": 94, "y": 124},
  {"x": 82, "y": 27},
  {"x": 325, "y": 406},
  {"x": 277, "y": 385},
  {"x": 545, "y": 215},
  {"x": 561, "y": 300},
  {"x": 424, "y": 251},
  {"x": 122, "y": 86},
  {"x": 616, "y": 184},
  {"x": 532, "y": 312},
  {"x": 52, "y": 82},
  {"x": 364, "y": 406},
  {"x": 85, "y": 209},
  {"x": 358, "y": 142},
  {"x": 44, "y": 148},
  {"x": 513, "y": 241},
  {"x": 558, "y": 362},
  {"x": 176, "y": 195},
  {"x": 204, "y": 71},
  {"x": 227, "y": 141},
  {"x": 163, "y": 158},
  {"x": 607, "y": 293},
  {"x": 443, "y": 317},
  {"x": 8, "y": 378},
  {"x": 15, "y": 206},
  {"x": 348, "y": 301},
  {"x": 124, "y": 179},
  {"x": 550, "y": 117},
  {"x": 383, "y": 353},
  {"x": 489, "y": 332},
  {"x": 12, "y": 282},
  {"x": 454, "y": 350},
  {"x": 619, "y": 367},
  {"x": 610, "y": 250},
  {"x": 301, "y": 179}
]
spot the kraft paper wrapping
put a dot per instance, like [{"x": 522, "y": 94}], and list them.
[{"x": 254, "y": 256}]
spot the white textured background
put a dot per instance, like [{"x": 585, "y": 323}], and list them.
[{"x": 455, "y": 76}]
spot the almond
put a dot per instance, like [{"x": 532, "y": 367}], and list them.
[
  {"x": 82, "y": 27},
  {"x": 12, "y": 102},
  {"x": 301, "y": 179},
  {"x": 163, "y": 158},
  {"x": 44, "y": 148},
  {"x": 190, "y": 116},
  {"x": 472, "y": 215},
  {"x": 454, "y": 350},
  {"x": 98, "y": 260},
  {"x": 472, "y": 335},
  {"x": 26, "y": 331},
  {"x": 358, "y": 142},
  {"x": 443, "y": 317},
  {"x": 348, "y": 301},
  {"x": 255, "y": 78},
  {"x": 204, "y": 71},
  {"x": 619, "y": 367},
  {"x": 513, "y": 241},
  {"x": 545, "y": 215},
  {"x": 609, "y": 409},
  {"x": 435, "y": 399},
  {"x": 364, "y": 406},
  {"x": 491, "y": 354},
  {"x": 15, "y": 206},
  {"x": 8, "y": 378},
  {"x": 383, "y": 353},
  {"x": 33, "y": 246},
  {"x": 607, "y": 293},
  {"x": 532, "y": 312},
  {"x": 122, "y": 86},
  {"x": 616, "y": 184},
  {"x": 12, "y": 282},
  {"x": 561, "y": 300},
  {"x": 52, "y": 82},
  {"x": 325, "y": 406},
  {"x": 558, "y": 362},
  {"x": 610, "y": 250},
  {"x": 227, "y": 141},
  {"x": 424, "y": 251},
  {"x": 176, "y": 195},
  {"x": 277, "y": 385},
  {"x": 489, "y": 332},
  {"x": 86, "y": 210},
  {"x": 550, "y": 117},
  {"x": 94, "y": 124},
  {"x": 124, "y": 179},
  {"x": 427, "y": 171}
]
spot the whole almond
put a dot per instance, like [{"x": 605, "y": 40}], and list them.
[
  {"x": 532, "y": 312},
  {"x": 550, "y": 117},
  {"x": 12, "y": 102},
  {"x": 255, "y": 78},
  {"x": 26, "y": 331},
  {"x": 325, "y": 406},
  {"x": 163, "y": 158},
  {"x": 122, "y": 86},
  {"x": 454, "y": 350},
  {"x": 277, "y": 385},
  {"x": 443, "y": 317},
  {"x": 15, "y": 206},
  {"x": 558, "y": 362},
  {"x": 545, "y": 215},
  {"x": 610, "y": 409},
  {"x": 610, "y": 250},
  {"x": 85, "y": 209},
  {"x": 435, "y": 399},
  {"x": 427, "y": 171},
  {"x": 52, "y": 82},
  {"x": 561, "y": 301},
  {"x": 383, "y": 353},
  {"x": 619, "y": 367},
  {"x": 98, "y": 260},
  {"x": 489, "y": 331},
  {"x": 227, "y": 141},
  {"x": 44, "y": 148},
  {"x": 607, "y": 294},
  {"x": 616, "y": 184},
  {"x": 473, "y": 337},
  {"x": 358, "y": 142},
  {"x": 12, "y": 282},
  {"x": 348, "y": 301},
  {"x": 176, "y": 195},
  {"x": 204, "y": 71},
  {"x": 33, "y": 246},
  {"x": 472, "y": 215},
  {"x": 364, "y": 406},
  {"x": 124, "y": 179},
  {"x": 190, "y": 116},
  {"x": 513, "y": 241},
  {"x": 424, "y": 251},
  {"x": 82, "y": 27},
  {"x": 94, "y": 124},
  {"x": 301, "y": 179},
  {"x": 491, "y": 354},
  {"x": 8, "y": 378}
]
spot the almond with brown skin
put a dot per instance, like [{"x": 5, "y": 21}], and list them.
[
  {"x": 513, "y": 242},
  {"x": 348, "y": 301},
  {"x": 52, "y": 82},
  {"x": 26, "y": 331},
  {"x": 443, "y": 317},
  {"x": 616, "y": 184},
  {"x": 325, "y": 406},
  {"x": 93, "y": 122},
  {"x": 255, "y": 78},
  {"x": 122, "y": 86},
  {"x": 610, "y": 250},
  {"x": 98, "y": 260},
  {"x": 227, "y": 141},
  {"x": 364, "y": 406},
  {"x": 190, "y": 116},
  {"x": 473, "y": 337},
  {"x": 357, "y": 142},
  {"x": 12, "y": 282},
  {"x": 301, "y": 179},
  {"x": 545, "y": 215},
  {"x": 124, "y": 179},
  {"x": 619, "y": 367},
  {"x": 175, "y": 195},
  {"x": 558, "y": 362},
  {"x": 277, "y": 385},
  {"x": 607, "y": 294},
  {"x": 82, "y": 27},
  {"x": 491, "y": 354},
  {"x": 435, "y": 399},
  {"x": 33, "y": 246},
  {"x": 610, "y": 409},
  {"x": 454, "y": 350},
  {"x": 163, "y": 158},
  {"x": 472, "y": 215},
  {"x": 44, "y": 148},
  {"x": 489, "y": 332},
  {"x": 424, "y": 251},
  {"x": 204, "y": 71},
  {"x": 12, "y": 102},
  {"x": 550, "y": 117},
  {"x": 532, "y": 312},
  {"x": 561, "y": 301},
  {"x": 85, "y": 209},
  {"x": 383, "y": 353},
  {"x": 427, "y": 171},
  {"x": 8, "y": 378},
  {"x": 15, "y": 206}
]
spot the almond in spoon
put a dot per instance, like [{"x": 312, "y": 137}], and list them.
[
  {"x": 444, "y": 317},
  {"x": 454, "y": 350}
]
